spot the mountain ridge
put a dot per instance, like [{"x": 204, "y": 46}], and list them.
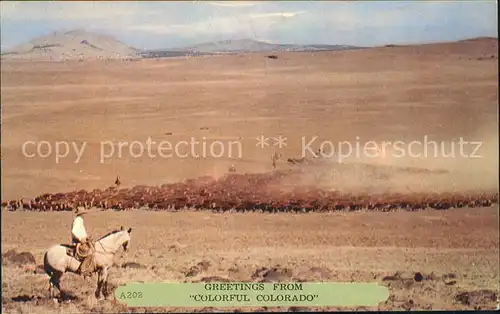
[
  {"x": 244, "y": 45},
  {"x": 72, "y": 44},
  {"x": 80, "y": 45}
]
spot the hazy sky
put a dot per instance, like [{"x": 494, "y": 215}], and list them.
[{"x": 176, "y": 24}]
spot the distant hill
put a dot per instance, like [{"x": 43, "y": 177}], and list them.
[
  {"x": 239, "y": 46},
  {"x": 72, "y": 45},
  {"x": 475, "y": 39},
  {"x": 83, "y": 45}
]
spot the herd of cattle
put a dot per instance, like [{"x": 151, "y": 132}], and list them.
[{"x": 245, "y": 192}]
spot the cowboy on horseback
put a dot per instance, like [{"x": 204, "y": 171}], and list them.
[{"x": 83, "y": 249}]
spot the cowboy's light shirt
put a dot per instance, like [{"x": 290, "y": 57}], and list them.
[{"x": 78, "y": 229}]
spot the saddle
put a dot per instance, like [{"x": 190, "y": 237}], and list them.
[{"x": 84, "y": 253}]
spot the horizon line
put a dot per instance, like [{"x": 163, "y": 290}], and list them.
[{"x": 409, "y": 43}]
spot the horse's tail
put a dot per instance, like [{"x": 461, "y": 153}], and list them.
[{"x": 46, "y": 266}]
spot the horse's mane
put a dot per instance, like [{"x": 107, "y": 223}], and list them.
[{"x": 109, "y": 233}]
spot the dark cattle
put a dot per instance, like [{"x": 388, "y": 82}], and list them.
[{"x": 247, "y": 192}]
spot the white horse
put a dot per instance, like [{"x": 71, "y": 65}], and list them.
[{"x": 56, "y": 261}]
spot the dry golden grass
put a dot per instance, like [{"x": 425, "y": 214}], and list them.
[
  {"x": 382, "y": 94},
  {"x": 402, "y": 93}
]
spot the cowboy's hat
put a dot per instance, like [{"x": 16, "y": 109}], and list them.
[{"x": 80, "y": 210}]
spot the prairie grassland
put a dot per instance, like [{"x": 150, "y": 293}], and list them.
[
  {"x": 346, "y": 247},
  {"x": 443, "y": 91}
]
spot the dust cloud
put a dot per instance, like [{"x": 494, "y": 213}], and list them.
[{"x": 474, "y": 169}]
